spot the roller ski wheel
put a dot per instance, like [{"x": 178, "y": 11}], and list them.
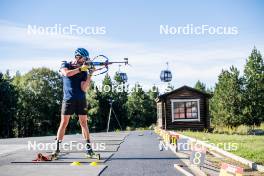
[
  {"x": 42, "y": 157},
  {"x": 54, "y": 155},
  {"x": 93, "y": 156}
]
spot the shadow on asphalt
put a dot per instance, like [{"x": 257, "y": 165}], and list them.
[{"x": 144, "y": 158}]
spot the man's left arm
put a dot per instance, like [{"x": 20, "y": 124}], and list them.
[{"x": 86, "y": 84}]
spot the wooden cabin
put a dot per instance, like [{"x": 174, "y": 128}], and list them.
[{"x": 183, "y": 108}]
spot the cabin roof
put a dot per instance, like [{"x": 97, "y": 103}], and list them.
[{"x": 183, "y": 88}]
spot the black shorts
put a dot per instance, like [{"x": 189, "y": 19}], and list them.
[{"x": 70, "y": 107}]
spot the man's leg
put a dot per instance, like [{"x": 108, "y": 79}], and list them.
[
  {"x": 85, "y": 132},
  {"x": 63, "y": 125},
  {"x": 83, "y": 122},
  {"x": 61, "y": 131}
]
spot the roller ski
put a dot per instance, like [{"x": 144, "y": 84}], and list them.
[
  {"x": 91, "y": 155},
  {"x": 41, "y": 157},
  {"x": 55, "y": 155}
]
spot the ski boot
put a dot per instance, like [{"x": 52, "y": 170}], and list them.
[
  {"x": 55, "y": 155},
  {"x": 91, "y": 155}
]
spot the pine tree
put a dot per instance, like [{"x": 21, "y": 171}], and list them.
[
  {"x": 8, "y": 104},
  {"x": 93, "y": 106},
  {"x": 104, "y": 96},
  {"x": 120, "y": 96},
  {"x": 200, "y": 86},
  {"x": 135, "y": 105},
  {"x": 254, "y": 89},
  {"x": 140, "y": 112},
  {"x": 153, "y": 93},
  {"x": 226, "y": 107}
]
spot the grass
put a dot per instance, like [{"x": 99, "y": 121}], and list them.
[
  {"x": 242, "y": 129},
  {"x": 248, "y": 146}
]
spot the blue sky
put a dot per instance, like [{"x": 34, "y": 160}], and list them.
[{"x": 133, "y": 31}]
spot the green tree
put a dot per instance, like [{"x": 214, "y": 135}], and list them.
[
  {"x": 200, "y": 86},
  {"x": 225, "y": 106},
  {"x": 93, "y": 105},
  {"x": 8, "y": 103},
  {"x": 153, "y": 93},
  {"x": 120, "y": 97},
  {"x": 254, "y": 89},
  {"x": 139, "y": 105},
  {"x": 104, "y": 96},
  {"x": 39, "y": 102}
]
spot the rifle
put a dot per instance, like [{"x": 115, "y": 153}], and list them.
[{"x": 101, "y": 62}]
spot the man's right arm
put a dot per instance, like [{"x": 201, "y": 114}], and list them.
[{"x": 69, "y": 73}]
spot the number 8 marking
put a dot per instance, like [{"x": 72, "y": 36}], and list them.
[{"x": 197, "y": 158}]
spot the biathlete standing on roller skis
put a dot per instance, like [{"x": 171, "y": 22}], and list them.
[{"x": 76, "y": 81}]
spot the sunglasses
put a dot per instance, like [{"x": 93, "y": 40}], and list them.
[{"x": 78, "y": 57}]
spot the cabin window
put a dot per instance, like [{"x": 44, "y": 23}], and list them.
[{"x": 185, "y": 110}]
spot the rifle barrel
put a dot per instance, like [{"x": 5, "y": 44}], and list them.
[
  {"x": 117, "y": 62},
  {"x": 105, "y": 63}
]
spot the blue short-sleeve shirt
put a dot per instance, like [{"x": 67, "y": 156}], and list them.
[{"x": 72, "y": 85}]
